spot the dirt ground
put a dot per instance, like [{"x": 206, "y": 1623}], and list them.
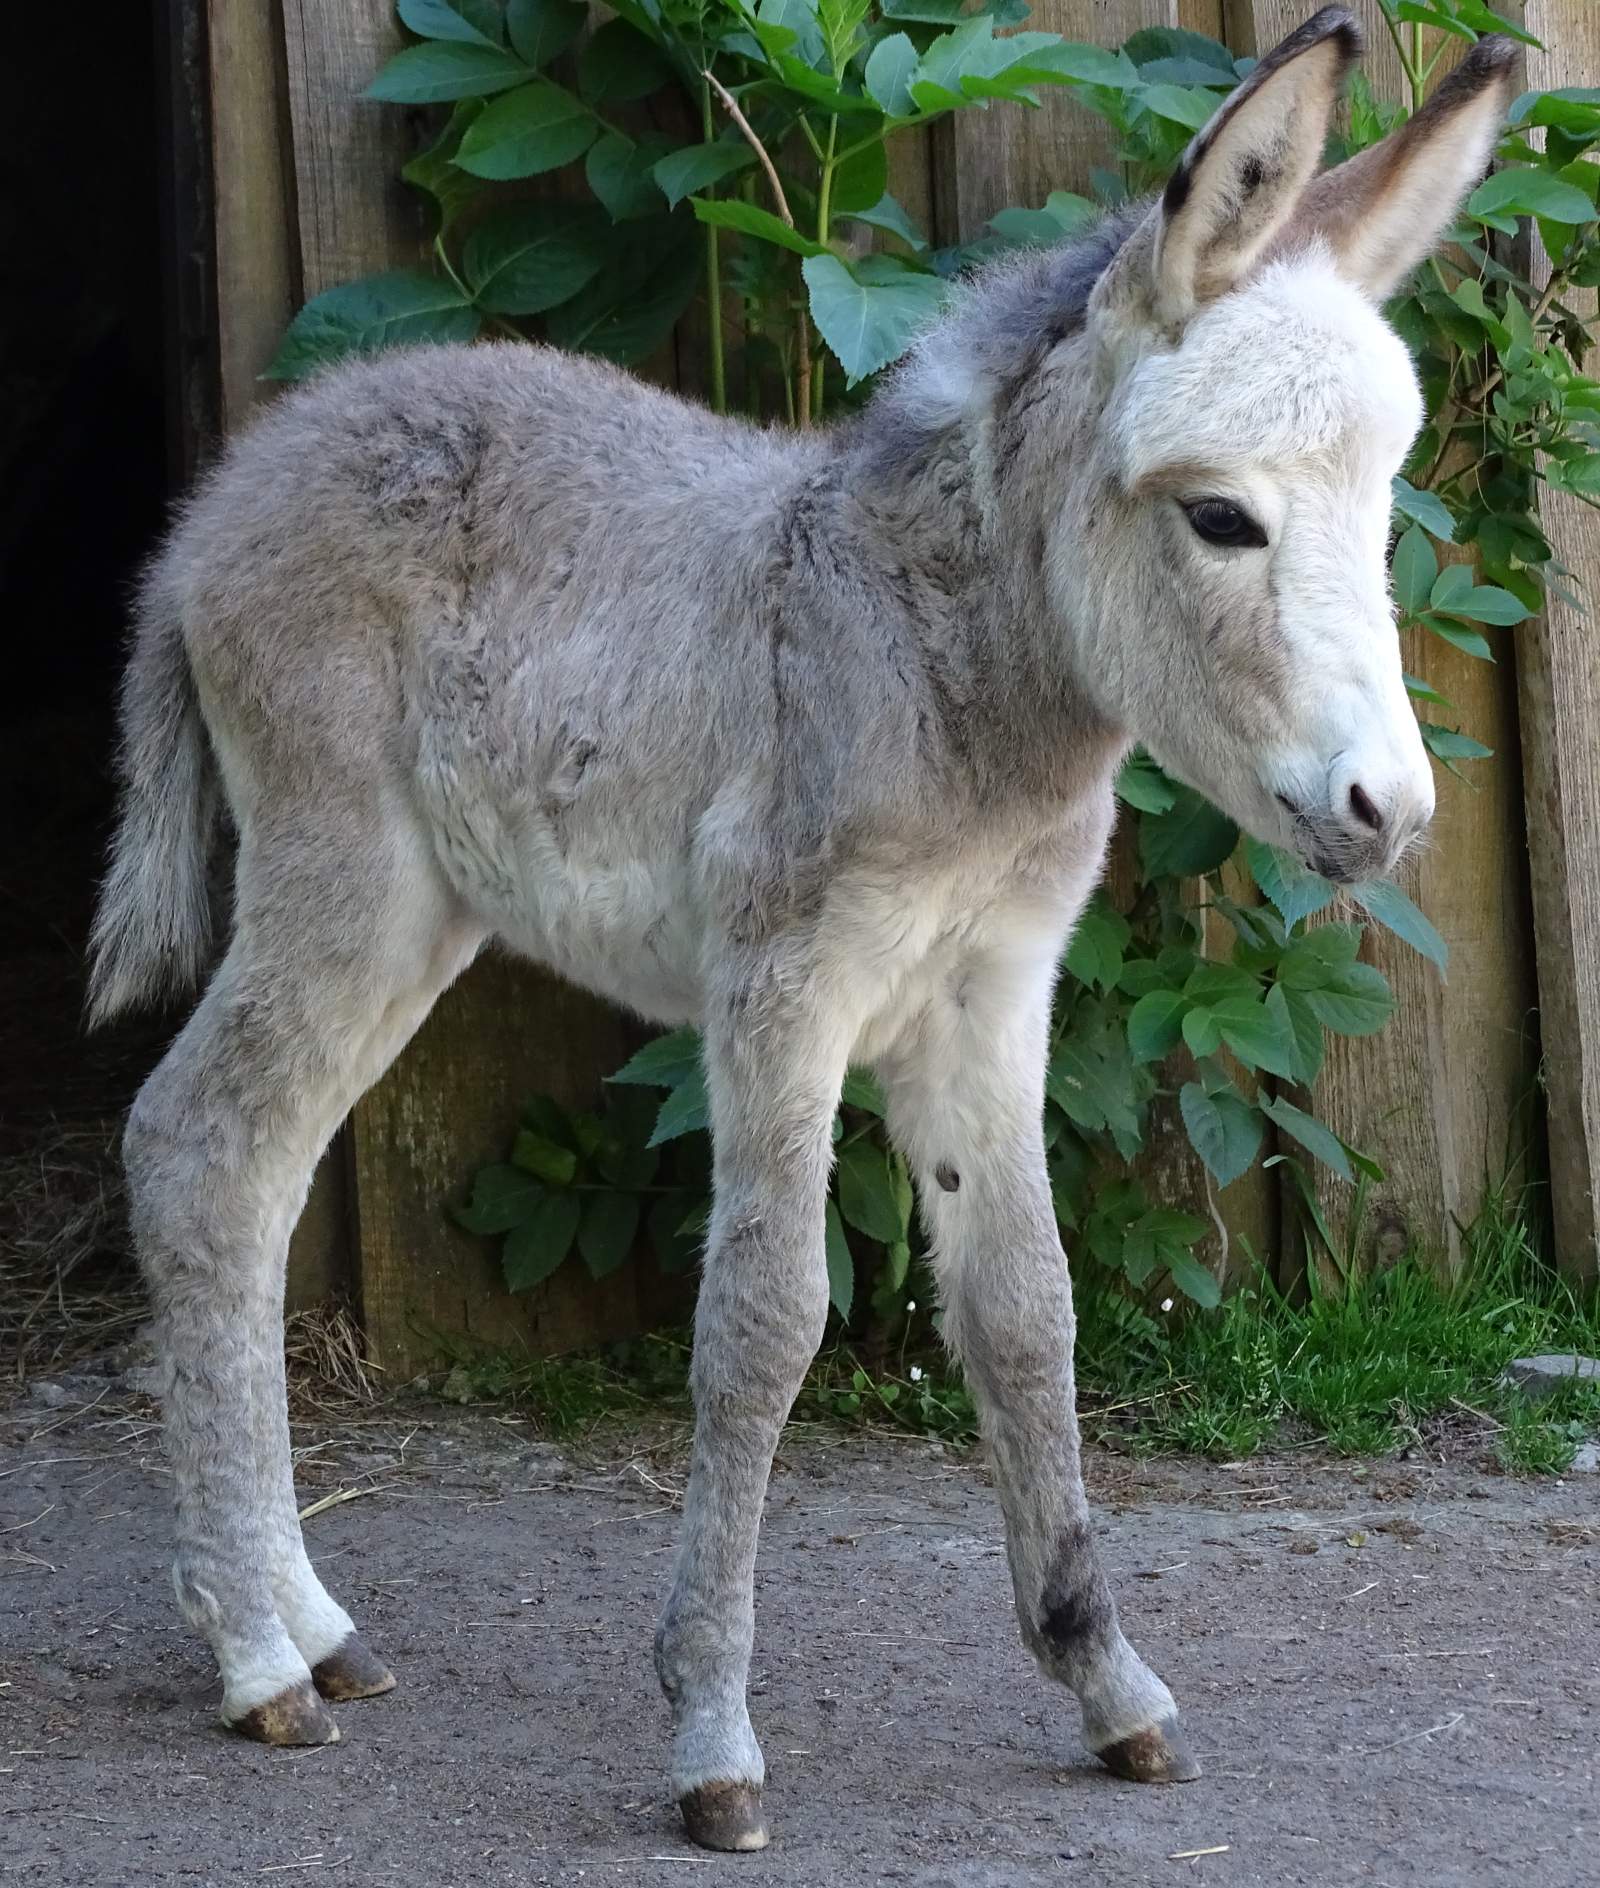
[{"x": 1389, "y": 1674}]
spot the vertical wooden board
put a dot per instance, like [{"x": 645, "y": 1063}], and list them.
[
  {"x": 500, "y": 1035},
  {"x": 1559, "y": 674},
  {"x": 355, "y": 215},
  {"x": 1434, "y": 1096},
  {"x": 258, "y": 257}
]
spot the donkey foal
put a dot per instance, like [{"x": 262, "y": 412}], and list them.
[{"x": 809, "y": 740}]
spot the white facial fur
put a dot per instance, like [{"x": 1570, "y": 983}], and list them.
[{"x": 1268, "y": 678}]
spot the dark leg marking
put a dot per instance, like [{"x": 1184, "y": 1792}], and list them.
[{"x": 1074, "y": 1607}]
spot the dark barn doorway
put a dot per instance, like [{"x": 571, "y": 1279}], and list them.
[{"x": 86, "y": 471}]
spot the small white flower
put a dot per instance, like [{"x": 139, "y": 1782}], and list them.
[
  {"x": 1166, "y": 1304},
  {"x": 911, "y": 1304},
  {"x": 916, "y": 1373}
]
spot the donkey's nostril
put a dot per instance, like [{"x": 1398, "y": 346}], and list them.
[{"x": 1361, "y": 805}]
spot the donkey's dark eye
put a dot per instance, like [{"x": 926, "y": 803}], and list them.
[{"x": 1219, "y": 522}]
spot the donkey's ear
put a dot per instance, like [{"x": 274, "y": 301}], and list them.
[
  {"x": 1239, "y": 182},
  {"x": 1384, "y": 210}
]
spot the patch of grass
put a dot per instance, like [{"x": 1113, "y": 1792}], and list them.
[{"x": 1356, "y": 1369}]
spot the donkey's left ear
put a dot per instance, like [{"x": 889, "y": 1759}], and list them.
[
  {"x": 1239, "y": 182},
  {"x": 1382, "y": 212}
]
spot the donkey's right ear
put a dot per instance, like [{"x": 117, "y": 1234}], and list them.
[{"x": 1239, "y": 182}]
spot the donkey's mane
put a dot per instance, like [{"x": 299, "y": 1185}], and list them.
[{"x": 1003, "y": 320}]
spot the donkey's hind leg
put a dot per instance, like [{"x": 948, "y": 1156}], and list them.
[{"x": 330, "y": 970}]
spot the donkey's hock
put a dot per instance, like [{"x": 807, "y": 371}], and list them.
[{"x": 809, "y": 740}]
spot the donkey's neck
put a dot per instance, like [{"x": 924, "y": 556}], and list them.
[{"x": 955, "y": 521}]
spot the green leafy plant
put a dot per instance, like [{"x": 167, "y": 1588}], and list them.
[{"x": 762, "y": 130}]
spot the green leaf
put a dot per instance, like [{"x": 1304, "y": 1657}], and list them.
[
  {"x": 1201, "y": 1032},
  {"x": 535, "y": 1248},
  {"x": 861, "y": 1090},
  {"x": 544, "y": 1159},
  {"x": 1175, "y": 42},
  {"x": 1469, "y": 641},
  {"x": 1451, "y": 744},
  {"x": 526, "y": 257},
  {"x": 868, "y": 325},
  {"x": 684, "y": 172},
  {"x": 1521, "y": 190},
  {"x": 1297, "y": 1018},
  {"x": 841, "y": 1266},
  {"x": 1190, "y": 839},
  {"x": 1086, "y": 65},
  {"x": 1359, "y": 1004},
  {"x": 888, "y": 75},
  {"x": 887, "y": 214},
  {"x": 621, "y": 173},
  {"x": 1224, "y": 1130},
  {"x": 675, "y": 1248},
  {"x": 1154, "y": 1024},
  {"x": 1191, "y": 106},
  {"x": 867, "y": 1194},
  {"x": 1320, "y": 958},
  {"x": 1391, "y": 907},
  {"x": 619, "y": 64},
  {"x": 663, "y": 1063},
  {"x": 685, "y": 1111},
  {"x": 629, "y": 309},
  {"x": 1482, "y": 603},
  {"x": 860, "y": 181},
  {"x": 542, "y": 29},
  {"x": 607, "y": 1231},
  {"x": 1427, "y": 509},
  {"x": 1142, "y": 784},
  {"x": 1095, "y": 953},
  {"x": 445, "y": 69},
  {"x": 1193, "y": 1280},
  {"x": 734, "y": 213},
  {"x": 1293, "y": 888},
  {"x": 536, "y": 128},
  {"x": 474, "y": 22},
  {"x": 1415, "y": 570},
  {"x": 378, "y": 311},
  {"x": 502, "y": 1197},
  {"x": 1310, "y": 1133},
  {"x": 1255, "y": 1034},
  {"x": 434, "y": 171}
]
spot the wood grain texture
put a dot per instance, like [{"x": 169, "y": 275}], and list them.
[
  {"x": 1559, "y": 675},
  {"x": 258, "y": 256},
  {"x": 1435, "y": 1095}
]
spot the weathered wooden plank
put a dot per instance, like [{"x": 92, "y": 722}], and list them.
[
  {"x": 257, "y": 254},
  {"x": 1434, "y": 1096},
  {"x": 1559, "y": 673}
]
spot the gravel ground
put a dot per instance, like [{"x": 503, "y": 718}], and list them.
[{"x": 1389, "y": 1673}]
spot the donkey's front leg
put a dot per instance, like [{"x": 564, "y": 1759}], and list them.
[
  {"x": 965, "y": 1103},
  {"x": 774, "y": 1077}
]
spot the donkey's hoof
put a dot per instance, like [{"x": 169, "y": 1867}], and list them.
[
  {"x": 1158, "y": 1755},
  {"x": 351, "y": 1671},
  {"x": 295, "y": 1716},
  {"x": 724, "y": 1816}
]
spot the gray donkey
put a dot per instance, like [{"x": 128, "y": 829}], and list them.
[{"x": 809, "y": 740}]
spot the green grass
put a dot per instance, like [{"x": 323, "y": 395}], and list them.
[{"x": 1358, "y": 1370}]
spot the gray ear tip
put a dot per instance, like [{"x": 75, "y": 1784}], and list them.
[
  {"x": 1496, "y": 53},
  {"x": 1332, "y": 23}
]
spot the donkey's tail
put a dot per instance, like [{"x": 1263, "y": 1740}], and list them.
[{"x": 152, "y": 929}]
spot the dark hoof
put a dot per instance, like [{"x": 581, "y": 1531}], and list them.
[
  {"x": 295, "y": 1716},
  {"x": 1158, "y": 1755},
  {"x": 351, "y": 1671},
  {"x": 724, "y": 1816}
]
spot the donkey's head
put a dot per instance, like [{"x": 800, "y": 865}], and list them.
[{"x": 1225, "y": 569}]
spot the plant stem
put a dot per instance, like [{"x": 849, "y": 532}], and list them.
[
  {"x": 824, "y": 228},
  {"x": 803, "y": 330},
  {"x": 498, "y": 321},
  {"x": 719, "y": 380}
]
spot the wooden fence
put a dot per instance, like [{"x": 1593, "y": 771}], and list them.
[{"x": 306, "y": 193}]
